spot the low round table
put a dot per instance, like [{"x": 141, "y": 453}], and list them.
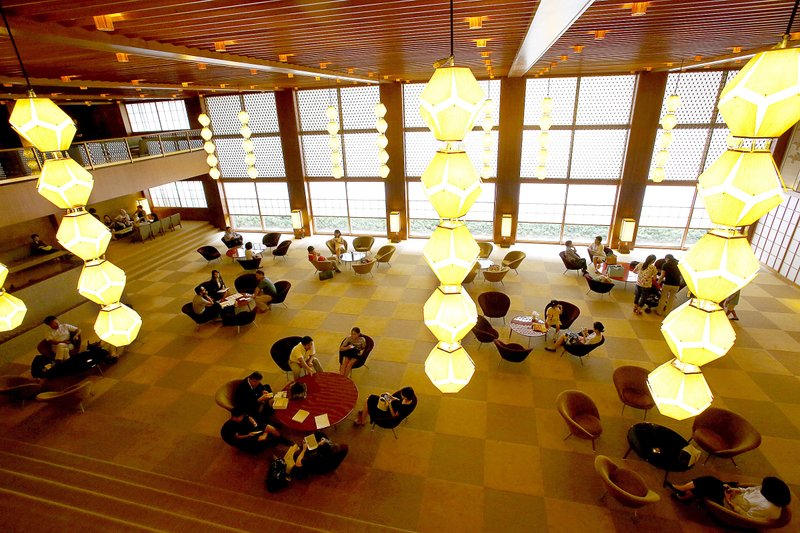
[
  {"x": 328, "y": 392},
  {"x": 659, "y": 446},
  {"x": 352, "y": 257},
  {"x": 485, "y": 263},
  {"x": 523, "y": 325}
]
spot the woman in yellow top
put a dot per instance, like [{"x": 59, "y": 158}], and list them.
[
  {"x": 552, "y": 318},
  {"x": 339, "y": 244}
]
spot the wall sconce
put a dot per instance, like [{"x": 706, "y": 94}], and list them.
[
  {"x": 626, "y": 235},
  {"x": 297, "y": 224},
  {"x": 505, "y": 230},
  {"x": 394, "y": 226}
]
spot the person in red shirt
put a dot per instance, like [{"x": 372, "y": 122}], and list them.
[{"x": 313, "y": 255}]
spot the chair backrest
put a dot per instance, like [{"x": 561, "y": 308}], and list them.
[
  {"x": 569, "y": 313},
  {"x": 572, "y": 403},
  {"x": 175, "y": 219},
  {"x": 484, "y": 331},
  {"x": 731, "y": 427},
  {"x": 331, "y": 244},
  {"x": 513, "y": 259},
  {"x": 322, "y": 266},
  {"x": 598, "y": 286},
  {"x": 246, "y": 283},
  {"x": 624, "y": 485},
  {"x": 495, "y": 275},
  {"x": 281, "y": 349},
  {"x": 282, "y": 287},
  {"x": 209, "y": 253},
  {"x": 250, "y": 264},
  {"x": 188, "y": 311},
  {"x": 569, "y": 265},
  {"x": 271, "y": 239},
  {"x": 385, "y": 253},
  {"x": 363, "y": 244},
  {"x": 142, "y": 231},
  {"x": 388, "y": 423},
  {"x": 363, "y": 268},
  {"x": 472, "y": 273},
  {"x": 579, "y": 350},
  {"x": 733, "y": 519},
  {"x": 494, "y": 304},
  {"x": 282, "y": 248},
  {"x": 485, "y": 249},
  {"x": 513, "y": 352},
  {"x": 370, "y": 344},
  {"x": 155, "y": 227},
  {"x": 224, "y": 396},
  {"x": 76, "y": 393}
]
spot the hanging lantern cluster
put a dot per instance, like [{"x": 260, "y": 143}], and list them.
[
  {"x": 487, "y": 124},
  {"x": 12, "y": 309},
  {"x": 545, "y": 122},
  {"x": 337, "y": 170},
  {"x": 760, "y": 103},
  {"x": 668, "y": 124},
  {"x": 247, "y": 144},
  {"x": 449, "y": 105},
  {"x": 209, "y": 146},
  {"x": 383, "y": 142},
  {"x": 68, "y": 185}
]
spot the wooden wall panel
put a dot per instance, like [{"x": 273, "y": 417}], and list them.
[
  {"x": 391, "y": 95},
  {"x": 292, "y": 156},
  {"x": 509, "y": 155}
]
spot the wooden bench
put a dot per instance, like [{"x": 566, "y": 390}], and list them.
[{"x": 35, "y": 260}]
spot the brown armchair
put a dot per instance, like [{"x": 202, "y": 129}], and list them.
[
  {"x": 71, "y": 396},
  {"x": 484, "y": 331},
  {"x": 513, "y": 259},
  {"x": 363, "y": 268},
  {"x": 724, "y": 434},
  {"x": 733, "y": 519},
  {"x": 494, "y": 304},
  {"x": 225, "y": 393},
  {"x": 485, "y": 250},
  {"x": 331, "y": 244},
  {"x": 495, "y": 276},
  {"x": 322, "y": 266},
  {"x": 363, "y": 244},
  {"x": 20, "y": 388},
  {"x": 513, "y": 352},
  {"x": 581, "y": 415},
  {"x": 569, "y": 313},
  {"x": 631, "y": 384},
  {"x": 625, "y": 486},
  {"x": 385, "y": 254}
]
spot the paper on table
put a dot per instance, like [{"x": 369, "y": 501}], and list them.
[
  {"x": 280, "y": 403},
  {"x": 322, "y": 421},
  {"x": 281, "y": 394},
  {"x": 300, "y": 415}
]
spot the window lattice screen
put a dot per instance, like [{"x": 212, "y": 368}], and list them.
[
  {"x": 312, "y": 105},
  {"x": 358, "y": 107},
  {"x": 562, "y": 91},
  {"x": 557, "y": 156},
  {"x": 685, "y": 153},
  {"x": 718, "y": 145},
  {"x": 361, "y": 155},
  {"x": 598, "y": 154},
  {"x": 605, "y": 100},
  {"x": 269, "y": 157},
  {"x": 698, "y": 92},
  {"x": 165, "y": 196},
  {"x": 473, "y": 145},
  {"x": 411, "y": 117},
  {"x": 223, "y": 112},
  {"x": 262, "y": 111},
  {"x": 420, "y": 147},
  {"x": 231, "y": 157},
  {"x": 367, "y": 199},
  {"x": 418, "y": 204},
  {"x": 316, "y": 155},
  {"x": 191, "y": 193}
]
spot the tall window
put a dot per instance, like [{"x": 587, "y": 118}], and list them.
[
  {"x": 585, "y": 154},
  {"x": 420, "y": 147},
  {"x": 179, "y": 194},
  {"x": 261, "y": 204},
  {"x": 356, "y": 203},
  {"x": 165, "y": 115},
  {"x": 673, "y": 215}
]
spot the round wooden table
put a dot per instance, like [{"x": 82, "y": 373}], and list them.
[
  {"x": 328, "y": 392},
  {"x": 523, "y": 325}
]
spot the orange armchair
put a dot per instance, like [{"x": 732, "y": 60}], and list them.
[
  {"x": 724, "y": 433},
  {"x": 581, "y": 415},
  {"x": 631, "y": 384},
  {"x": 625, "y": 486},
  {"x": 733, "y": 519}
]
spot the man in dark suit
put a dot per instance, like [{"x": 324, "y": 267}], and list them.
[{"x": 254, "y": 398}]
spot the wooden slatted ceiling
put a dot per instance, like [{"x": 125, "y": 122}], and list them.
[{"x": 398, "y": 38}]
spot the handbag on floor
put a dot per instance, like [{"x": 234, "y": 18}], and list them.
[
  {"x": 276, "y": 477},
  {"x": 326, "y": 274},
  {"x": 550, "y": 338}
]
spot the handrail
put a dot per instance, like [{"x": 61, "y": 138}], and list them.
[{"x": 20, "y": 164}]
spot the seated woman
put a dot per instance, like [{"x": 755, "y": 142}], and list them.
[
  {"x": 552, "y": 317},
  {"x": 326, "y": 457},
  {"x": 248, "y": 251},
  {"x": 388, "y": 406},
  {"x": 339, "y": 244},
  {"x": 124, "y": 218},
  {"x": 351, "y": 351},
  {"x": 243, "y": 432},
  {"x": 216, "y": 287},
  {"x": 760, "y": 502},
  {"x": 597, "y": 252},
  {"x": 588, "y": 336},
  {"x": 314, "y": 255}
]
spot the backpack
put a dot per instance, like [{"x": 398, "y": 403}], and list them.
[{"x": 276, "y": 477}]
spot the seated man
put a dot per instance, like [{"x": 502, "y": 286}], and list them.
[
  {"x": 139, "y": 216},
  {"x": 243, "y": 432},
  {"x": 303, "y": 357},
  {"x": 588, "y": 336},
  {"x": 764, "y": 502},
  {"x": 386, "y": 406},
  {"x": 231, "y": 239},
  {"x": 313, "y": 255},
  {"x": 253, "y": 398},
  {"x": 265, "y": 292},
  {"x": 573, "y": 257},
  {"x": 39, "y": 247},
  {"x": 203, "y": 306},
  {"x": 64, "y": 338}
]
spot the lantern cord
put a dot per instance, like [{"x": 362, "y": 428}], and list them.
[
  {"x": 16, "y": 51},
  {"x": 788, "y": 27},
  {"x": 451, "y": 26},
  {"x": 678, "y": 81}
]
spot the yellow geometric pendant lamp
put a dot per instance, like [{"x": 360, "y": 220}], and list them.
[{"x": 12, "y": 309}]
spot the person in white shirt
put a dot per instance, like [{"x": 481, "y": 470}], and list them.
[
  {"x": 303, "y": 357},
  {"x": 231, "y": 239},
  {"x": 588, "y": 336},
  {"x": 760, "y": 502},
  {"x": 598, "y": 252},
  {"x": 64, "y": 338}
]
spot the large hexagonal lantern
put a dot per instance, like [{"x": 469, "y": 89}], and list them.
[
  {"x": 43, "y": 124},
  {"x": 679, "y": 390},
  {"x": 12, "y": 311},
  {"x": 450, "y": 315},
  {"x": 451, "y": 184},
  {"x": 83, "y": 235},
  {"x": 65, "y": 183},
  {"x": 740, "y": 187},
  {"x": 117, "y": 324},
  {"x": 101, "y": 282},
  {"x": 449, "y": 367},
  {"x": 698, "y": 332},
  {"x": 718, "y": 265},
  {"x": 450, "y": 102},
  {"x": 763, "y": 99},
  {"x": 450, "y": 252},
  {"x": 3, "y": 274}
]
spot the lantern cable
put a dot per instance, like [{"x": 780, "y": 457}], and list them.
[{"x": 16, "y": 50}]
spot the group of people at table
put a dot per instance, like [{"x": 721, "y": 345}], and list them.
[{"x": 206, "y": 303}]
